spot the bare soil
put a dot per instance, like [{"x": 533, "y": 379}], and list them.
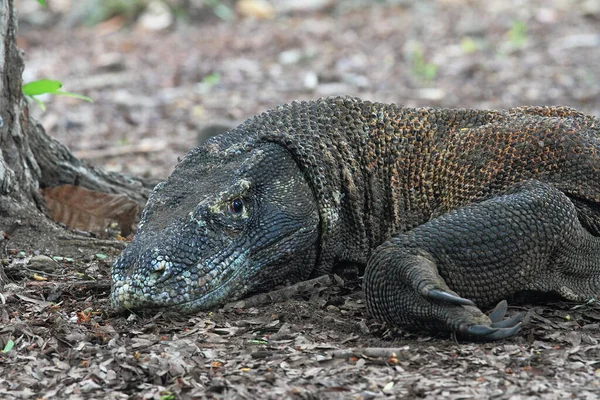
[{"x": 156, "y": 92}]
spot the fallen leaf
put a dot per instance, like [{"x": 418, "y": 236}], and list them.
[
  {"x": 8, "y": 346},
  {"x": 37, "y": 277},
  {"x": 83, "y": 317},
  {"x": 90, "y": 211},
  {"x": 388, "y": 387},
  {"x": 259, "y": 9},
  {"x": 28, "y": 299}
]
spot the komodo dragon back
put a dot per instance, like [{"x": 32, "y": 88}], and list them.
[{"x": 449, "y": 211}]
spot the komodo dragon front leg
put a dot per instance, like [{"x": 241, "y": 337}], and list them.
[{"x": 441, "y": 274}]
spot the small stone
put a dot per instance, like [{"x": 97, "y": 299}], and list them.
[
  {"x": 582, "y": 40},
  {"x": 333, "y": 88},
  {"x": 305, "y": 6},
  {"x": 259, "y": 9},
  {"x": 110, "y": 62},
  {"x": 290, "y": 57},
  {"x": 432, "y": 94},
  {"x": 311, "y": 80},
  {"x": 471, "y": 24},
  {"x": 43, "y": 263},
  {"x": 356, "y": 80},
  {"x": 546, "y": 15},
  {"x": 156, "y": 17},
  {"x": 590, "y": 8}
]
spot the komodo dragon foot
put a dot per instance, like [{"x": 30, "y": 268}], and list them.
[{"x": 438, "y": 275}]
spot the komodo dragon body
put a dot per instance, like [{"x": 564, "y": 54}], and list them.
[{"x": 449, "y": 211}]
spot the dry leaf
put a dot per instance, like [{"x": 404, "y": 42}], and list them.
[
  {"x": 259, "y": 9},
  {"x": 90, "y": 211},
  {"x": 83, "y": 317},
  {"x": 37, "y": 277}
]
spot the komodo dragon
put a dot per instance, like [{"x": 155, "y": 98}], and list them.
[{"x": 449, "y": 211}]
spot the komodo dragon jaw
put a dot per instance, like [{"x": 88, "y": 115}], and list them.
[{"x": 220, "y": 227}]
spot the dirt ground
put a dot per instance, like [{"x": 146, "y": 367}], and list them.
[{"x": 157, "y": 93}]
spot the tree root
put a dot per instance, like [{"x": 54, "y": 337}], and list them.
[{"x": 371, "y": 352}]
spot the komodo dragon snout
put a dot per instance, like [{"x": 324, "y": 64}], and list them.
[{"x": 219, "y": 228}]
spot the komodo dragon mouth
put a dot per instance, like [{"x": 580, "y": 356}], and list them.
[
  {"x": 448, "y": 211},
  {"x": 139, "y": 293}
]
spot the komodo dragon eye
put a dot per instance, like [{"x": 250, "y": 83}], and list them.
[{"x": 235, "y": 206}]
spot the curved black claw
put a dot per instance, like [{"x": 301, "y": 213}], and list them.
[
  {"x": 508, "y": 323},
  {"x": 503, "y": 333},
  {"x": 500, "y": 328},
  {"x": 481, "y": 330},
  {"x": 489, "y": 333},
  {"x": 446, "y": 297},
  {"x": 499, "y": 311}
]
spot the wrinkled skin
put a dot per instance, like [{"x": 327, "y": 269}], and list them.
[
  {"x": 449, "y": 212},
  {"x": 234, "y": 223}
]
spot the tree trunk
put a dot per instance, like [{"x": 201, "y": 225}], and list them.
[{"x": 30, "y": 160}]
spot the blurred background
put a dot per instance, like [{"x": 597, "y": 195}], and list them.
[{"x": 164, "y": 74}]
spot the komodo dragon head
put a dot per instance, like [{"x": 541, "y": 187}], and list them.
[
  {"x": 258, "y": 206},
  {"x": 236, "y": 216}
]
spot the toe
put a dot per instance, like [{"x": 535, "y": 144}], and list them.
[
  {"x": 480, "y": 330},
  {"x": 499, "y": 311},
  {"x": 503, "y": 333}
]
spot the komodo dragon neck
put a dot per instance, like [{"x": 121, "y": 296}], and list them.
[
  {"x": 380, "y": 169},
  {"x": 376, "y": 169}
]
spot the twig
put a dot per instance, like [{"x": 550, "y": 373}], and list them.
[
  {"x": 374, "y": 352},
  {"x": 143, "y": 147},
  {"x": 91, "y": 242},
  {"x": 280, "y": 295},
  {"x": 93, "y": 285}
]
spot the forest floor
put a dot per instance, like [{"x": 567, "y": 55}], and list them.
[{"x": 157, "y": 94}]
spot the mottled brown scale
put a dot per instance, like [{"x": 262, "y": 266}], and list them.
[{"x": 426, "y": 161}]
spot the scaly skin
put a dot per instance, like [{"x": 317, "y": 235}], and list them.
[{"x": 450, "y": 211}]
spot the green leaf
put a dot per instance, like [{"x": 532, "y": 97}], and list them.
[
  {"x": 41, "y": 87},
  {"x": 42, "y": 2},
  {"x": 100, "y": 256},
  {"x": 75, "y": 95},
  {"x": 468, "y": 45},
  {"x": 48, "y": 86},
  {"x": 63, "y": 259},
  {"x": 517, "y": 35},
  {"x": 223, "y": 12},
  {"x": 8, "y": 346},
  {"x": 212, "y": 79}
]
